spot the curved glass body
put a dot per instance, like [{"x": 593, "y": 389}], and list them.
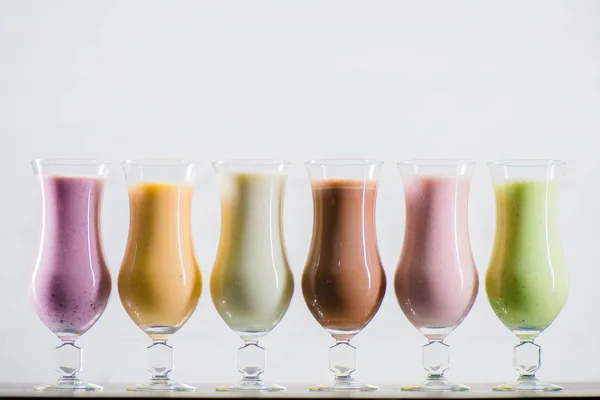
[
  {"x": 71, "y": 283},
  {"x": 343, "y": 281},
  {"x": 159, "y": 280},
  {"x": 251, "y": 283},
  {"x": 527, "y": 281},
  {"x": 436, "y": 280}
]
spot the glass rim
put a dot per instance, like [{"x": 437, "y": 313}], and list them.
[
  {"x": 526, "y": 162},
  {"x": 343, "y": 162},
  {"x": 251, "y": 162},
  {"x": 436, "y": 162},
  {"x": 71, "y": 162},
  {"x": 160, "y": 162}
]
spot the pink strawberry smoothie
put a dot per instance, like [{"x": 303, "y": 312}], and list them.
[
  {"x": 436, "y": 280},
  {"x": 71, "y": 283}
]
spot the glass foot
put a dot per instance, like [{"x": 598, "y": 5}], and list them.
[
  {"x": 250, "y": 386},
  {"x": 528, "y": 384},
  {"x": 344, "y": 385},
  {"x": 162, "y": 385},
  {"x": 440, "y": 384},
  {"x": 70, "y": 384}
]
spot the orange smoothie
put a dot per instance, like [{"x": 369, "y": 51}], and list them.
[{"x": 159, "y": 281}]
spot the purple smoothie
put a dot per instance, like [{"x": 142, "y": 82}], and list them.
[{"x": 71, "y": 283}]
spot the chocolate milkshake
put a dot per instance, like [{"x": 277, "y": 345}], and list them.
[{"x": 343, "y": 281}]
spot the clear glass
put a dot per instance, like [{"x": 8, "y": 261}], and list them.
[
  {"x": 343, "y": 281},
  {"x": 71, "y": 283},
  {"x": 436, "y": 280},
  {"x": 251, "y": 282},
  {"x": 159, "y": 281},
  {"x": 527, "y": 281}
]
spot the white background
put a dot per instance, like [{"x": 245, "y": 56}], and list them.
[{"x": 299, "y": 80}]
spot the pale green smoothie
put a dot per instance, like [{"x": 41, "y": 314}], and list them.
[{"x": 527, "y": 281}]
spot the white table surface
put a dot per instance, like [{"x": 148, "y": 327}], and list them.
[{"x": 591, "y": 389}]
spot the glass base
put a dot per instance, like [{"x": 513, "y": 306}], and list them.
[
  {"x": 251, "y": 386},
  {"x": 440, "y": 384},
  {"x": 162, "y": 385},
  {"x": 344, "y": 385},
  {"x": 68, "y": 384},
  {"x": 528, "y": 384}
]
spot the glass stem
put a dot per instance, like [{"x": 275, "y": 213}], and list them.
[
  {"x": 436, "y": 359},
  {"x": 251, "y": 360},
  {"x": 160, "y": 360},
  {"x": 342, "y": 360},
  {"x": 68, "y": 360},
  {"x": 527, "y": 359}
]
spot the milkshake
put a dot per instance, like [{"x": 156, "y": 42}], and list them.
[
  {"x": 71, "y": 283},
  {"x": 159, "y": 281},
  {"x": 251, "y": 282},
  {"x": 527, "y": 281},
  {"x": 343, "y": 281},
  {"x": 436, "y": 280}
]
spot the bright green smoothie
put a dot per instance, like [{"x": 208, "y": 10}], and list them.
[{"x": 527, "y": 281}]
